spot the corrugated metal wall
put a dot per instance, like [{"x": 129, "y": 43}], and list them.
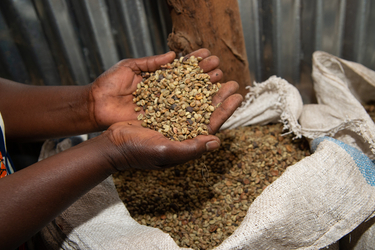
[
  {"x": 62, "y": 42},
  {"x": 54, "y": 42},
  {"x": 281, "y": 36}
]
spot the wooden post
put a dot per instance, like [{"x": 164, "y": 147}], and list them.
[{"x": 215, "y": 25}]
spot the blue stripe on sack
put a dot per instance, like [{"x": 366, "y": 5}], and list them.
[{"x": 365, "y": 165}]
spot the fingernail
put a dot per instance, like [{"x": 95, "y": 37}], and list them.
[{"x": 212, "y": 145}]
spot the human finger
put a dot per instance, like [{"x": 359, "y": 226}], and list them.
[
  {"x": 203, "y": 53},
  {"x": 210, "y": 63},
  {"x": 227, "y": 89},
  {"x": 223, "y": 112},
  {"x": 215, "y": 75},
  {"x": 180, "y": 152},
  {"x": 149, "y": 64}
]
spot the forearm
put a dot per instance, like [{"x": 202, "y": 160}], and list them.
[
  {"x": 40, "y": 112},
  {"x": 34, "y": 196}
]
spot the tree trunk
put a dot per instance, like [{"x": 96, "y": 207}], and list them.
[{"x": 215, "y": 25}]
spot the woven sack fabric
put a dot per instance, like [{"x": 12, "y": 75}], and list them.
[{"x": 313, "y": 205}]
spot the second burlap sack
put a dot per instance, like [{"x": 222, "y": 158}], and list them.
[{"x": 327, "y": 195}]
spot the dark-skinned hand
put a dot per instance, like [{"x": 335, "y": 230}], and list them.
[
  {"x": 111, "y": 93},
  {"x": 143, "y": 148}
]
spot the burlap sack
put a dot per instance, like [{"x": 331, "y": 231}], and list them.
[
  {"x": 341, "y": 86},
  {"x": 274, "y": 100},
  {"x": 312, "y": 205}
]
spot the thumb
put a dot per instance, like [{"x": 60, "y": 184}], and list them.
[{"x": 180, "y": 152}]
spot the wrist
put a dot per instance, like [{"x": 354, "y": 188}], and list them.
[
  {"x": 110, "y": 152},
  {"x": 88, "y": 95}
]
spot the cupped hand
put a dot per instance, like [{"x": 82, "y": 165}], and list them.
[
  {"x": 111, "y": 93},
  {"x": 226, "y": 98},
  {"x": 142, "y": 148}
]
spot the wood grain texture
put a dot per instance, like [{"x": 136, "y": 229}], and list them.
[{"x": 215, "y": 25}]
